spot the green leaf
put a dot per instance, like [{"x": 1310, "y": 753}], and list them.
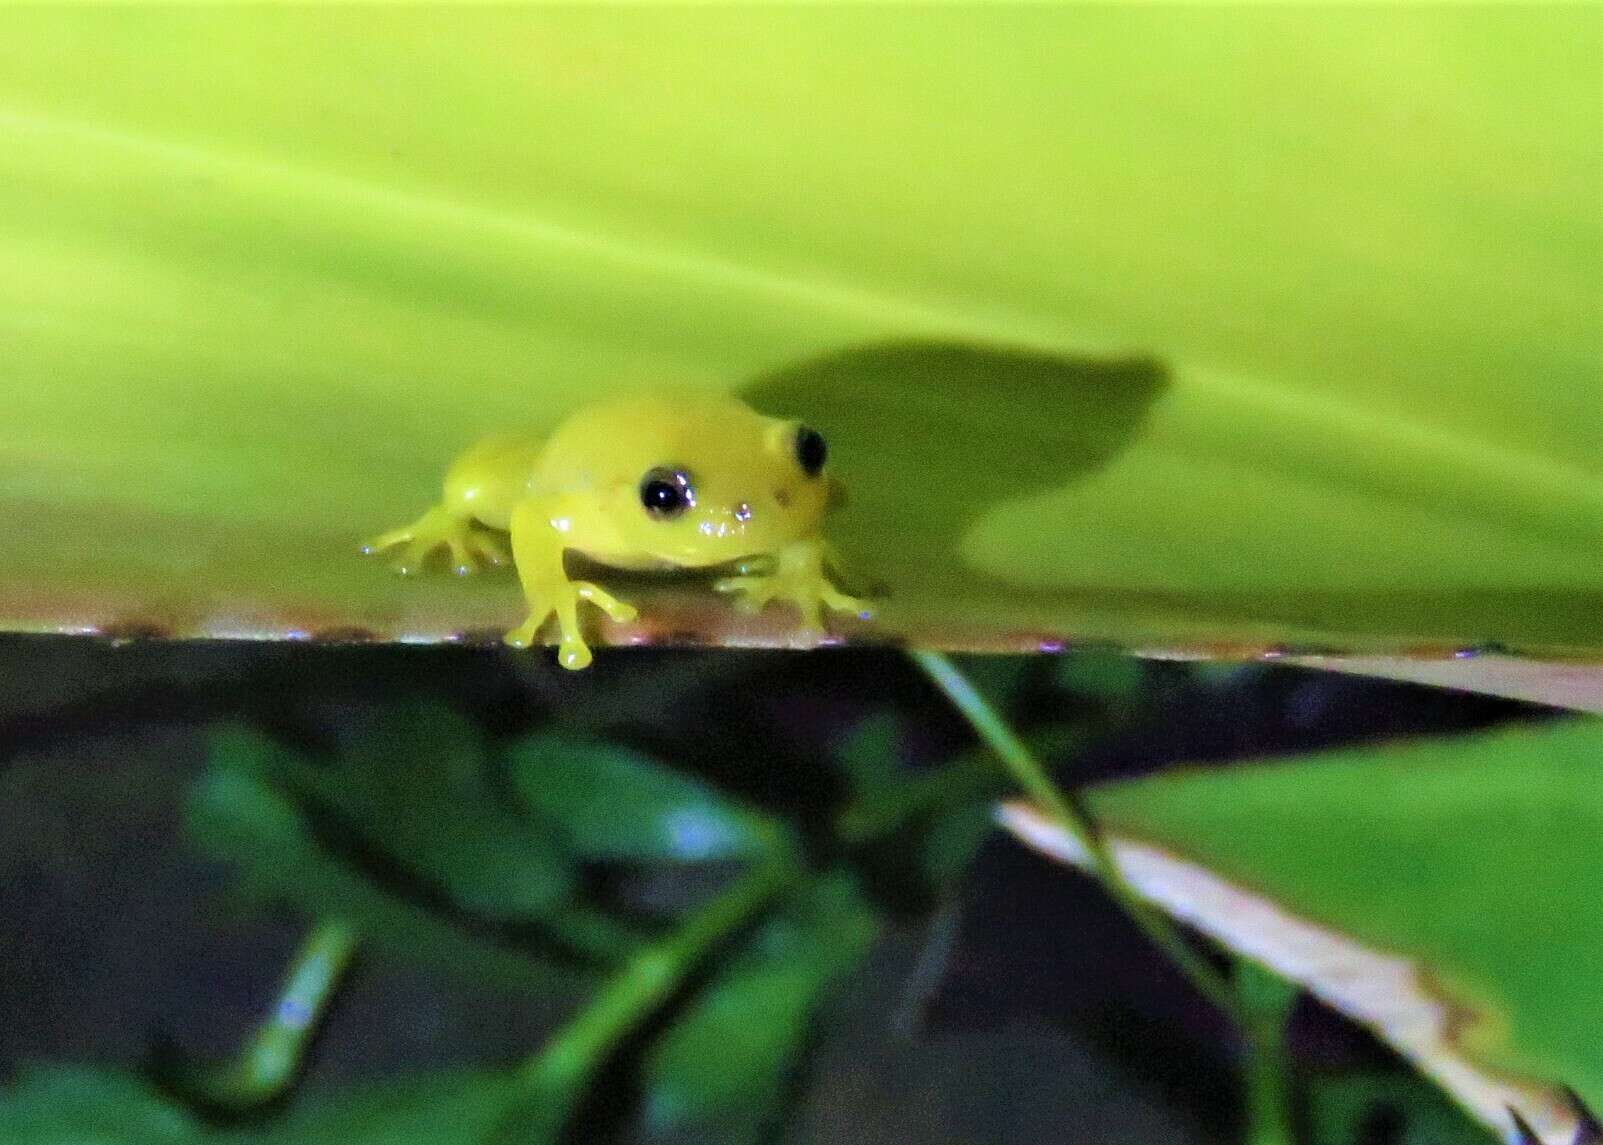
[
  {"x": 417, "y": 786},
  {"x": 450, "y": 1108},
  {"x": 870, "y": 755},
  {"x": 1341, "y": 1107},
  {"x": 615, "y": 804},
  {"x": 82, "y": 1106},
  {"x": 1004, "y": 679},
  {"x": 1114, "y": 680},
  {"x": 935, "y": 819},
  {"x": 952, "y": 839},
  {"x": 1449, "y": 893},
  {"x": 236, "y": 816},
  {"x": 720, "y": 1071},
  {"x": 880, "y": 787},
  {"x": 79, "y": 1105},
  {"x": 269, "y": 268}
]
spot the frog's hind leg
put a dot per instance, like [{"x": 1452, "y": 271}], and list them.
[
  {"x": 467, "y": 520},
  {"x": 469, "y": 543}
]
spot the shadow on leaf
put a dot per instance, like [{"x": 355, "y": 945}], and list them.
[{"x": 930, "y": 435}]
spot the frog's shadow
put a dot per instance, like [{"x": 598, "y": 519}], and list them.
[{"x": 929, "y": 435}]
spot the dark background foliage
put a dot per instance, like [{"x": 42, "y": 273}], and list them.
[{"x": 175, "y": 817}]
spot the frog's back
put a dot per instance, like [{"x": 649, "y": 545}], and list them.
[{"x": 614, "y": 441}]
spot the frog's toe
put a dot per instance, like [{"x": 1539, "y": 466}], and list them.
[
  {"x": 519, "y": 637},
  {"x": 750, "y": 598},
  {"x": 838, "y": 601},
  {"x": 574, "y": 654},
  {"x": 463, "y": 561},
  {"x": 752, "y": 593},
  {"x": 527, "y": 634},
  {"x": 488, "y": 549},
  {"x": 619, "y": 610},
  {"x": 812, "y": 613},
  {"x": 387, "y": 540},
  {"x": 472, "y": 549},
  {"x": 414, "y": 555}
]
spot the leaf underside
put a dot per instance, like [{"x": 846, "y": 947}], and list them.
[{"x": 1212, "y": 329}]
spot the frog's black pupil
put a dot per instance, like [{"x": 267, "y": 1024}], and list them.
[
  {"x": 811, "y": 451},
  {"x": 661, "y": 496},
  {"x": 666, "y": 492}
]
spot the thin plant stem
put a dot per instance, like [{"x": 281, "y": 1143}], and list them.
[
  {"x": 1265, "y": 1001},
  {"x": 552, "y": 1080},
  {"x": 1032, "y": 777},
  {"x": 272, "y": 1057}
]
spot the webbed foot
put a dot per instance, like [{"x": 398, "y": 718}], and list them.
[
  {"x": 470, "y": 545},
  {"x": 563, "y": 601},
  {"x": 798, "y": 576}
]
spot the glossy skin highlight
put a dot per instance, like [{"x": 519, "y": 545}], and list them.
[{"x": 741, "y": 489}]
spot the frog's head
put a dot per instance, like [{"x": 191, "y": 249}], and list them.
[{"x": 721, "y": 482}]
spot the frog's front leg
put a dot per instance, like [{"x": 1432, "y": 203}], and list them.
[
  {"x": 798, "y": 574},
  {"x": 537, "y": 546}
]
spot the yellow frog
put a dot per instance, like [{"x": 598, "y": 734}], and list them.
[{"x": 645, "y": 482}]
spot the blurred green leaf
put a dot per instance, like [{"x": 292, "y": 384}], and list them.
[
  {"x": 430, "y": 1109},
  {"x": 934, "y": 820},
  {"x": 79, "y": 1105},
  {"x": 880, "y": 788},
  {"x": 1004, "y": 679},
  {"x": 268, "y": 268},
  {"x": 1474, "y": 858},
  {"x": 236, "y": 815},
  {"x": 419, "y": 785},
  {"x": 82, "y": 1106},
  {"x": 615, "y": 804},
  {"x": 952, "y": 839},
  {"x": 720, "y": 1071},
  {"x": 1114, "y": 679},
  {"x": 1353, "y": 1110},
  {"x": 870, "y": 754},
  {"x": 416, "y": 785}
]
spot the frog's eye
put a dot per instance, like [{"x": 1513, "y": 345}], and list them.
[
  {"x": 666, "y": 492},
  {"x": 811, "y": 452}
]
